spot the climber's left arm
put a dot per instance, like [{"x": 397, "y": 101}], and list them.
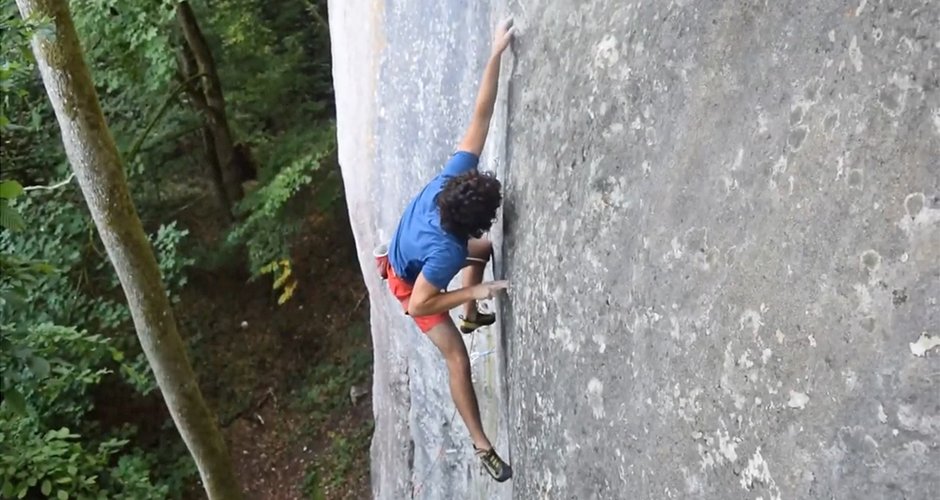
[{"x": 475, "y": 137}]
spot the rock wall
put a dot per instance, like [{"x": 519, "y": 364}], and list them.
[
  {"x": 723, "y": 235},
  {"x": 722, "y": 228}
]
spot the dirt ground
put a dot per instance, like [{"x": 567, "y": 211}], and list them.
[{"x": 279, "y": 376}]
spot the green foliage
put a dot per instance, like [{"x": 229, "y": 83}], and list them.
[
  {"x": 52, "y": 463},
  {"x": 326, "y": 391},
  {"x": 10, "y": 219},
  {"x": 47, "y": 372},
  {"x": 133, "y": 474},
  {"x": 15, "y": 62},
  {"x": 128, "y": 45},
  {"x": 130, "y": 51},
  {"x": 17, "y": 272},
  {"x": 271, "y": 216},
  {"x": 274, "y": 61},
  {"x": 53, "y": 366},
  {"x": 83, "y": 291},
  {"x": 167, "y": 243},
  {"x": 25, "y": 114},
  {"x": 346, "y": 451},
  {"x": 311, "y": 488},
  {"x": 56, "y": 283},
  {"x": 64, "y": 237},
  {"x": 51, "y": 369}
]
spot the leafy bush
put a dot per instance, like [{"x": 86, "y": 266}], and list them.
[
  {"x": 167, "y": 243},
  {"x": 48, "y": 370},
  {"x": 273, "y": 214},
  {"x": 83, "y": 290},
  {"x": 64, "y": 236},
  {"x": 52, "y": 367}
]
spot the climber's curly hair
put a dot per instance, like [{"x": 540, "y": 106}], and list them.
[{"x": 468, "y": 204}]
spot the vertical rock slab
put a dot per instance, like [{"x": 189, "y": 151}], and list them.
[
  {"x": 405, "y": 76},
  {"x": 723, "y": 233}
]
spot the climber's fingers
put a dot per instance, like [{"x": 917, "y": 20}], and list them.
[
  {"x": 505, "y": 24},
  {"x": 504, "y": 33},
  {"x": 489, "y": 289}
]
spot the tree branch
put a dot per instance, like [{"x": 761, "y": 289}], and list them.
[
  {"x": 160, "y": 113},
  {"x": 51, "y": 187}
]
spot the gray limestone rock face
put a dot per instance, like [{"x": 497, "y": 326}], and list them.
[
  {"x": 722, "y": 230},
  {"x": 723, "y": 233}
]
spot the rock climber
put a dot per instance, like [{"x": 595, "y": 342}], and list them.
[{"x": 441, "y": 233}]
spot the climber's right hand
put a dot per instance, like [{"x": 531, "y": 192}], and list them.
[
  {"x": 504, "y": 33},
  {"x": 489, "y": 290}
]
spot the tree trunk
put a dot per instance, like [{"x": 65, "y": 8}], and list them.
[
  {"x": 215, "y": 173},
  {"x": 187, "y": 64},
  {"x": 97, "y": 165},
  {"x": 215, "y": 101}
]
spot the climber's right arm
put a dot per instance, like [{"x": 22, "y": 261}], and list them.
[{"x": 427, "y": 299}]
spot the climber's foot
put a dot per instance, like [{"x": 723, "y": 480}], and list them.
[
  {"x": 494, "y": 466},
  {"x": 474, "y": 322}
]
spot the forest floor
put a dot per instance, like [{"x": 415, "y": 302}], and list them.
[{"x": 279, "y": 376}]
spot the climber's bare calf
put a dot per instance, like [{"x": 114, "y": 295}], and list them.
[{"x": 448, "y": 340}]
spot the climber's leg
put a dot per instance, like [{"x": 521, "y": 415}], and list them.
[
  {"x": 445, "y": 337},
  {"x": 478, "y": 254},
  {"x": 449, "y": 342}
]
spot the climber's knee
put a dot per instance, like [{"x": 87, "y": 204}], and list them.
[
  {"x": 479, "y": 250},
  {"x": 449, "y": 341}
]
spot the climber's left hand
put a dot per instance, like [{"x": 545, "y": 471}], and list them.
[{"x": 503, "y": 37}]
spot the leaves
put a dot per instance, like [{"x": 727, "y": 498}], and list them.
[
  {"x": 168, "y": 244},
  {"x": 275, "y": 211},
  {"x": 16, "y": 401},
  {"x": 284, "y": 279},
  {"x": 10, "y": 219},
  {"x": 39, "y": 366},
  {"x": 287, "y": 293},
  {"x": 10, "y": 189}
]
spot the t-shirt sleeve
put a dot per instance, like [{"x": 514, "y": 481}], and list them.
[
  {"x": 441, "y": 267},
  {"x": 461, "y": 162}
]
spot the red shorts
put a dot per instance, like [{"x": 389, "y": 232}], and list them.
[{"x": 401, "y": 289}]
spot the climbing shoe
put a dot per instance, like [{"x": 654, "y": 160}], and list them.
[
  {"x": 479, "y": 321},
  {"x": 494, "y": 466}
]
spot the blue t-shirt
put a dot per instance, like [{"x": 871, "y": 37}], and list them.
[{"x": 420, "y": 243}]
